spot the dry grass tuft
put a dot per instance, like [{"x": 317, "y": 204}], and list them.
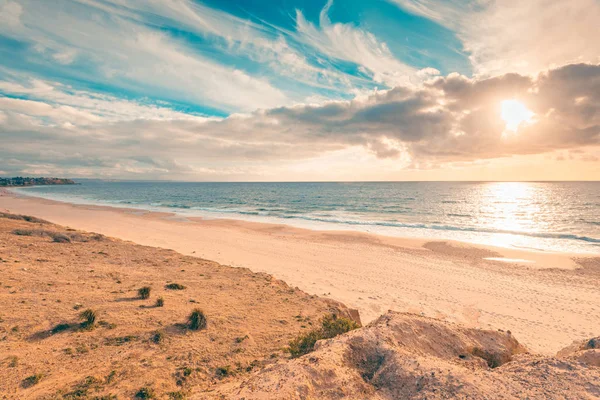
[
  {"x": 144, "y": 293},
  {"x": 89, "y": 318},
  {"x": 145, "y": 393},
  {"x": 174, "y": 286},
  {"x": 32, "y": 380},
  {"x": 197, "y": 320}
]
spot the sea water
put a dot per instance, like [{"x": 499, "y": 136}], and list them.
[{"x": 549, "y": 216}]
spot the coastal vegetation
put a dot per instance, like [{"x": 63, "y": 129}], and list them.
[
  {"x": 331, "y": 326},
  {"x": 174, "y": 286},
  {"x": 144, "y": 292},
  {"x": 197, "y": 320},
  {"x": 28, "y": 181}
]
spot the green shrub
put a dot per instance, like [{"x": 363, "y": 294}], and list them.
[
  {"x": 331, "y": 326},
  {"x": 159, "y": 302},
  {"x": 144, "y": 293},
  {"x": 32, "y": 380},
  {"x": 197, "y": 320},
  {"x": 60, "y": 238},
  {"x": 89, "y": 318},
  {"x": 304, "y": 343},
  {"x": 174, "y": 286},
  {"x": 222, "y": 372},
  {"x": 157, "y": 337},
  {"x": 145, "y": 393}
]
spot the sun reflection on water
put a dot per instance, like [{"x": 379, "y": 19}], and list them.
[{"x": 513, "y": 207}]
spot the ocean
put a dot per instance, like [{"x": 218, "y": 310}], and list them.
[{"x": 548, "y": 216}]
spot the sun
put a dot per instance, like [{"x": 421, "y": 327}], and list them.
[{"x": 514, "y": 113}]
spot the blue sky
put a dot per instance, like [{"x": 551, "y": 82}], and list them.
[
  {"x": 284, "y": 46},
  {"x": 117, "y": 71}
]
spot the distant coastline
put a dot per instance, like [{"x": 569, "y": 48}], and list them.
[{"x": 28, "y": 181}]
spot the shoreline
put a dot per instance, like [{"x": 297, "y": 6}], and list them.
[
  {"x": 546, "y": 299},
  {"x": 553, "y": 242}
]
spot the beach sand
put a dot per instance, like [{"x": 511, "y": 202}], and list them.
[{"x": 546, "y": 299}]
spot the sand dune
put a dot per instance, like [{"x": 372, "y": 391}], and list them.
[{"x": 46, "y": 281}]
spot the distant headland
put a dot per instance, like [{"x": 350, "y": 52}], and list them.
[{"x": 21, "y": 181}]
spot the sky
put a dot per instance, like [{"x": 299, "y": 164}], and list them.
[{"x": 300, "y": 90}]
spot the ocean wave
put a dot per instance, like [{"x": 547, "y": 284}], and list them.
[
  {"x": 440, "y": 227},
  {"x": 357, "y": 213}
]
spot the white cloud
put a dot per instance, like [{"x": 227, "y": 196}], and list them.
[
  {"x": 350, "y": 43},
  {"x": 518, "y": 36},
  {"x": 10, "y": 13},
  {"x": 65, "y": 57},
  {"x": 67, "y": 105},
  {"x": 258, "y": 42},
  {"x": 141, "y": 57}
]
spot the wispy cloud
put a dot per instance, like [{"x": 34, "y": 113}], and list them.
[
  {"x": 350, "y": 43},
  {"x": 518, "y": 36}
]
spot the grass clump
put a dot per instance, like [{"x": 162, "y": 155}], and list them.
[
  {"x": 174, "y": 286},
  {"x": 157, "y": 337},
  {"x": 241, "y": 339},
  {"x": 60, "y": 238},
  {"x": 225, "y": 371},
  {"x": 331, "y": 326},
  {"x": 144, "y": 293},
  {"x": 13, "y": 361},
  {"x": 176, "y": 395},
  {"x": 160, "y": 302},
  {"x": 145, "y": 393},
  {"x": 197, "y": 320},
  {"x": 32, "y": 380},
  {"x": 89, "y": 318},
  {"x": 81, "y": 391}
]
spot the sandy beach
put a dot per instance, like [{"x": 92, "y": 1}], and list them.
[{"x": 547, "y": 300}]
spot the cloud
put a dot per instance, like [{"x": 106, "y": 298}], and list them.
[
  {"x": 450, "y": 119},
  {"x": 518, "y": 36},
  {"x": 136, "y": 56},
  {"x": 10, "y": 13},
  {"x": 34, "y": 95},
  {"x": 350, "y": 43}
]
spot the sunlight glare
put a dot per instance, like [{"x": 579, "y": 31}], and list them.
[{"x": 514, "y": 113}]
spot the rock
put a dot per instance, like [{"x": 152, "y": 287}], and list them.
[{"x": 407, "y": 356}]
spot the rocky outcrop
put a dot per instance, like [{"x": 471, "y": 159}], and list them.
[
  {"x": 407, "y": 356},
  {"x": 20, "y": 181}
]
